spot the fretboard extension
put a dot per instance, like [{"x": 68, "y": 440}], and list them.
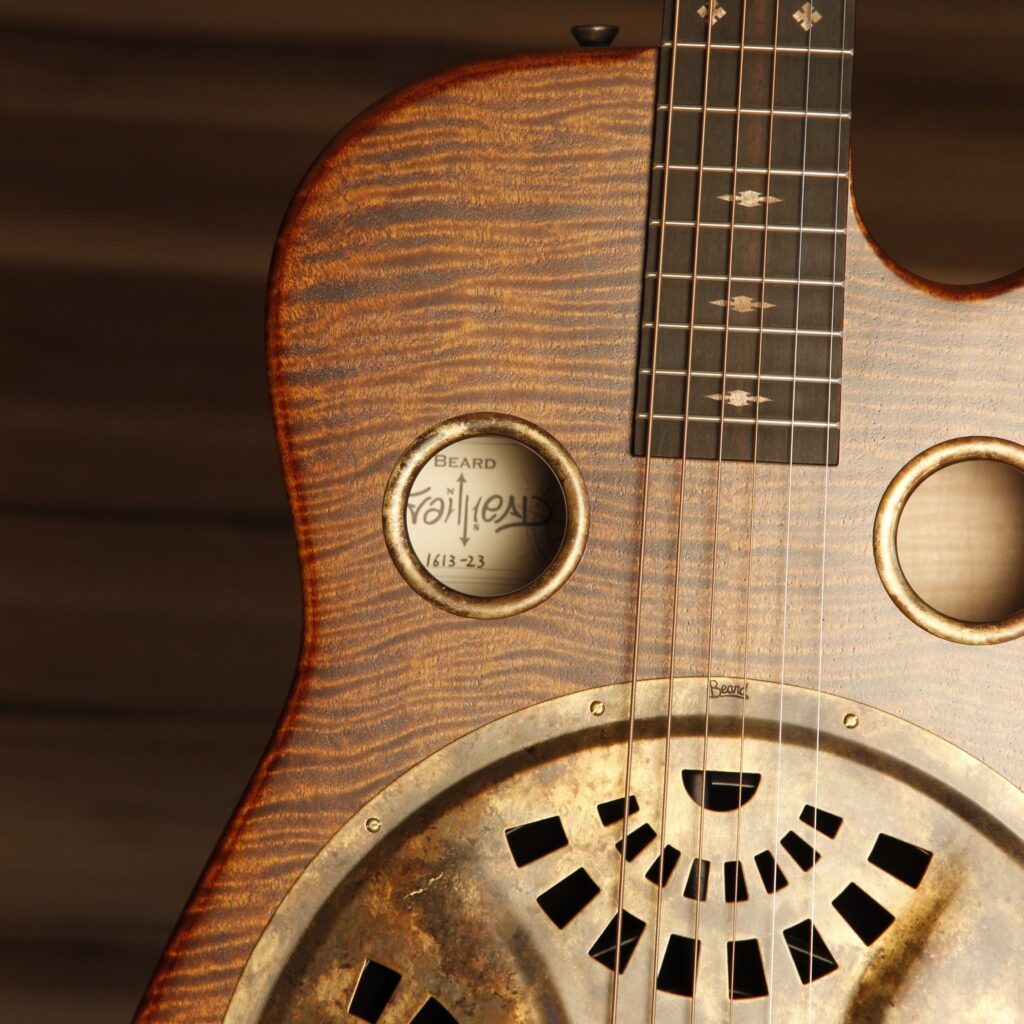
[{"x": 743, "y": 297}]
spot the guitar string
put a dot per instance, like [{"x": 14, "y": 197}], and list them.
[
  {"x": 784, "y": 641},
  {"x": 711, "y": 10},
  {"x": 839, "y": 216},
  {"x": 721, "y": 451},
  {"x": 792, "y": 438},
  {"x": 734, "y": 206},
  {"x": 796, "y": 356},
  {"x": 752, "y": 483},
  {"x": 642, "y": 545},
  {"x": 670, "y": 695},
  {"x": 789, "y": 501},
  {"x": 680, "y": 512}
]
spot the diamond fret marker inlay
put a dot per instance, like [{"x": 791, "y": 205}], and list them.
[
  {"x": 743, "y": 304},
  {"x": 739, "y": 398},
  {"x": 750, "y": 199},
  {"x": 725, "y": 263},
  {"x": 807, "y": 17},
  {"x": 718, "y": 12}
]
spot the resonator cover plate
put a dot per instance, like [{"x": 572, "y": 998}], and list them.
[{"x": 862, "y": 875}]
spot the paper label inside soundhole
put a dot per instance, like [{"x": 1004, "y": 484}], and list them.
[{"x": 486, "y": 516}]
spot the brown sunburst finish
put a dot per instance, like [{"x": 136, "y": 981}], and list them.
[{"x": 475, "y": 243}]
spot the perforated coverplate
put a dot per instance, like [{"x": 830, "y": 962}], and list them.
[{"x": 864, "y": 878}]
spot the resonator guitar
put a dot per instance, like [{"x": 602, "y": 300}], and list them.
[{"x": 623, "y": 694}]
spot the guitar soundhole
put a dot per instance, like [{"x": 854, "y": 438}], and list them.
[
  {"x": 800, "y": 850},
  {"x": 660, "y": 872},
  {"x": 961, "y": 541},
  {"x": 486, "y": 516},
  {"x": 825, "y": 823},
  {"x": 949, "y": 540},
  {"x": 637, "y": 841}
]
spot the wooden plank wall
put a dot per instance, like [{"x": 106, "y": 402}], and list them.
[{"x": 149, "y": 602}]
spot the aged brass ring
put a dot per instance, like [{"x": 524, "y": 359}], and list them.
[
  {"x": 887, "y": 521},
  {"x": 561, "y": 464}
]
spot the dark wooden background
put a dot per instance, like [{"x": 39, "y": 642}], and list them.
[{"x": 150, "y": 600}]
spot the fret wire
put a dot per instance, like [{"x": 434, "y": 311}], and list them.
[
  {"x": 759, "y": 112},
  {"x": 751, "y": 227},
  {"x": 678, "y": 417},
  {"x": 802, "y": 50},
  {"x": 811, "y": 282},
  {"x": 796, "y": 314},
  {"x": 717, "y": 375},
  {"x": 748, "y": 330},
  {"x": 819, "y": 121},
  {"x": 755, "y": 170}
]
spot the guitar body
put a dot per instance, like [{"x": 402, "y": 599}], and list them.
[{"x": 475, "y": 244}]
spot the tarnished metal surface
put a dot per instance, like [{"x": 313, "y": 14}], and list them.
[{"x": 436, "y": 895}]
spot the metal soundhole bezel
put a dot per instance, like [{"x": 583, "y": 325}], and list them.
[
  {"x": 887, "y": 523},
  {"x": 542, "y": 444}
]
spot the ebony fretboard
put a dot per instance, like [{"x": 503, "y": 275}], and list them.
[{"x": 747, "y": 291}]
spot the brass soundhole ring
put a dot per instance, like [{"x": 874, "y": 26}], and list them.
[
  {"x": 562, "y": 466},
  {"x": 887, "y": 522}
]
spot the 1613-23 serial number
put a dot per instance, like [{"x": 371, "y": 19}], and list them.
[{"x": 443, "y": 561}]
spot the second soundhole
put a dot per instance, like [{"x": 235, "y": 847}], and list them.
[{"x": 961, "y": 540}]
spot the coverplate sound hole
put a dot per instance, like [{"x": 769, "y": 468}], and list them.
[
  {"x": 486, "y": 515},
  {"x": 569, "y": 897}
]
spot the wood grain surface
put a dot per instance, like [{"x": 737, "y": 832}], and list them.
[
  {"x": 471, "y": 244},
  {"x": 150, "y": 591}
]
